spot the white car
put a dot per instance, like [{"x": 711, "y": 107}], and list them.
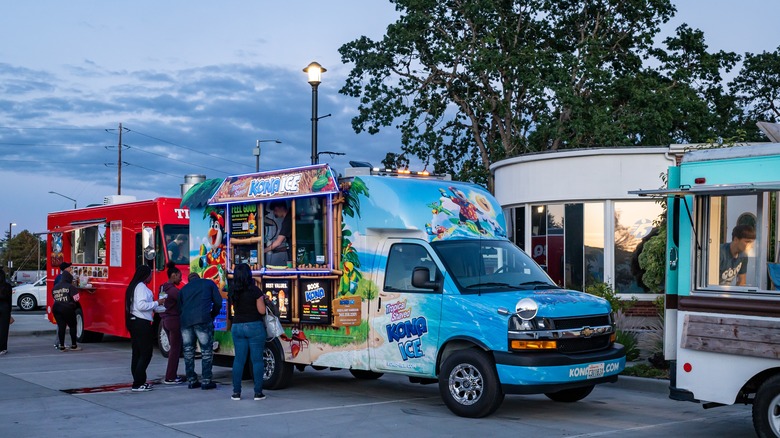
[{"x": 30, "y": 296}]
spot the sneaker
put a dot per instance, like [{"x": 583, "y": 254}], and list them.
[
  {"x": 260, "y": 396},
  {"x": 177, "y": 381},
  {"x": 143, "y": 388},
  {"x": 193, "y": 385},
  {"x": 3, "y": 352},
  {"x": 236, "y": 396},
  {"x": 75, "y": 348},
  {"x": 62, "y": 349},
  {"x": 210, "y": 385}
]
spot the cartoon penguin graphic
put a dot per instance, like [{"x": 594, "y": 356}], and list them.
[{"x": 213, "y": 258}]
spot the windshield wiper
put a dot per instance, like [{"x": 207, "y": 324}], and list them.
[
  {"x": 539, "y": 284},
  {"x": 488, "y": 284}
]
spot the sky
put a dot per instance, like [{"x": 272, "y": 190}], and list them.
[{"x": 196, "y": 83}]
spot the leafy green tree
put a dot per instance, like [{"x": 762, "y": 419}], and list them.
[
  {"x": 757, "y": 89},
  {"x": 23, "y": 250},
  {"x": 468, "y": 83}
]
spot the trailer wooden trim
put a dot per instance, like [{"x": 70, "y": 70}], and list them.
[{"x": 740, "y": 336}]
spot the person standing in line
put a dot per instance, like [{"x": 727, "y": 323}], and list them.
[
  {"x": 172, "y": 323},
  {"x": 247, "y": 303},
  {"x": 5, "y": 312},
  {"x": 199, "y": 303},
  {"x": 139, "y": 307},
  {"x": 65, "y": 297},
  {"x": 64, "y": 266}
]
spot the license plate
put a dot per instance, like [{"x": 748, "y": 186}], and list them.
[{"x": 595, "y": 370}]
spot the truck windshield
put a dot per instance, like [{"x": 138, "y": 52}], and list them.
[
  {"x": 177, "y": 243},
  {"x": 483, "y": 266}
]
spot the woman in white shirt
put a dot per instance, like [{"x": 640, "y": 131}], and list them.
[{"x": 139, "y": 316}]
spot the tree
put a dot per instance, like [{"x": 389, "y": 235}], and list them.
[
  {"x": 468, "y": 83},
  {"x": 757, "y": 88},
  {"x": 23, "y": 250}
]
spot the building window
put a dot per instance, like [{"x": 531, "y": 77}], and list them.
[
  {"x": 633, "y": 226},
  {"x": 593, "y": 243}
]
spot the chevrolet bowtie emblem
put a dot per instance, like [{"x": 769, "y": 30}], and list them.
[{"x": 587, "y": 332}]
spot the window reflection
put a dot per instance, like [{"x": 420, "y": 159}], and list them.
[{"x": 633, "y": 226}]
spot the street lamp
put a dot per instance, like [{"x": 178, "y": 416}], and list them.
[
  {"x": 256, "y": 152},
  {"x": 10, "y": 229},
  {"x": 315, "y": 71},
  {"x": 66, "y": 197}
]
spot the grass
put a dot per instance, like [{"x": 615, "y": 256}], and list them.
[{"x": 645, "y": 370}]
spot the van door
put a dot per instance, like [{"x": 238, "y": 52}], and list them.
[{"x": 405, "y": 318}]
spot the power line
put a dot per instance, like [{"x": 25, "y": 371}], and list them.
[
  {"x": 50, "y": 129},
  {"x": 173, "y": 159},
  {"x": 188, "y": 148}
]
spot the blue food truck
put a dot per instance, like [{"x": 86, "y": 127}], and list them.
[{"x": 405, "y": 273}]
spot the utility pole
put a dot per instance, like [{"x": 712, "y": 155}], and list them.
[{"x": 119, "y": 164}]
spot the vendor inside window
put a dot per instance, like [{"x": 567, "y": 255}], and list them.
[{"x": 277, "y": 252}]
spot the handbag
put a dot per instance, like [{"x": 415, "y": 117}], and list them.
[{"x": 273, "y": 328}]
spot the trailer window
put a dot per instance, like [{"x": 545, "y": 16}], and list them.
[
  {"x": 734, "y": 233},
  {"x": 311, "y": 231},
  {"x": 89, "y": 245}
]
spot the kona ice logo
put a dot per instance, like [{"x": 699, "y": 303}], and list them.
[
  {"x": 398, "y": 311},
  {"x": 408, "y": 334}
]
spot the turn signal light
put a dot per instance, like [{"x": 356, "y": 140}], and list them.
[
  {"x": 613, "y": 337},
  {"x": 516, "y": 344}
]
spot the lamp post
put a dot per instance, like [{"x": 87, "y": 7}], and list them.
[
  {"x": 66, "y": 197},
  {"x": 10, "y": 229},
  {"x": 256, "y": 153},
  {"x": 315, "y": 71}
]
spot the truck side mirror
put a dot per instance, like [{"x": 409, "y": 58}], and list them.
[
  {"x": 421, "y": 279},
  {"x": 147, "y": 242}
]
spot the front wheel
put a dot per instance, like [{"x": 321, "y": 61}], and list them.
[
  {"x": 570, "y": 395},
  {"x": 82, "y": 335},
  {"x": 27, "y": 302},
  {"x": 163, "y": 343},
  {"x": 766, "y": 409},
  {"x": 277, "y": 372},
  {"x": 469, "y": 384}
]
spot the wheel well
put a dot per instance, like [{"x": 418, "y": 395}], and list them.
[
  {"x": 755, "y": 382},
  {"x": 451, "y": 346}
]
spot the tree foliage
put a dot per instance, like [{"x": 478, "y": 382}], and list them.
[
  {"x": 470, "y": 82},
  {"x": 23, "y": 250},
  {"x": 757, "y": 90}
]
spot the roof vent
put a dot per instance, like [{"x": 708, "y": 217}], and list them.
[{"x": 118, "y": 199}]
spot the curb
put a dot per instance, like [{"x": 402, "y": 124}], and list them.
[{"x": 660, "y": 386}]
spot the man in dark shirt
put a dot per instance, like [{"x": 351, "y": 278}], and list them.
[
  {"x": 733, "y": 256},
  {"x": 199, "y": 303},
  {"x": 174, "y": 249},
  {"x": 277, "y": 252}
]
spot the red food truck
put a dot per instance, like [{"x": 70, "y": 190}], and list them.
[{"x": 105, "y": 244}]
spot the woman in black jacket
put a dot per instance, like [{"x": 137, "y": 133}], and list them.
[
  {"x": 246, "y": 304},
  {"x": 66, "y": 297}
]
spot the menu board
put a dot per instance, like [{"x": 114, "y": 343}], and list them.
[
  {"x": 115, "y": 244},
  {"x": 279, "y": 292},
  {"x": 243, "y": 220},
  {"x": 314, "y": 301}
]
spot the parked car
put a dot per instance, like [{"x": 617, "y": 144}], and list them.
[{"x": 30, "y": 296}]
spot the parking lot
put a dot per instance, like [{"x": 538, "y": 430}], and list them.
[{"x": 86, "y": 393}]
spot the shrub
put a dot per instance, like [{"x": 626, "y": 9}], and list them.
[
  {"x": 604, "y": 290},
  {"x": 629, "y": 341}
]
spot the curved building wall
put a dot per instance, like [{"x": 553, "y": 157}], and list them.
[{"x": 571, "y": 211}]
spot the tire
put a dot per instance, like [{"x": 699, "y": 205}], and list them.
[
  {"x": 162, "y": 341},
  {"x": 85, "y": 336},
  {"x": 27, "y": 302},
  {"x": 468, "y": 384},
  {"x": 570, "y": 395},
  {"x": 365, "y": 374},
  {"x": 766, "y": 409},
  {"x": 278, "y": 373}
]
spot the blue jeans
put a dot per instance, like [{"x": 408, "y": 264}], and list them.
[
  {"x": 204, "y": 333},
  {"x": 248, "y": 337}
]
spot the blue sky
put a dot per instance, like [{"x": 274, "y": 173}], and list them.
[{"x": 197, "y": 83}]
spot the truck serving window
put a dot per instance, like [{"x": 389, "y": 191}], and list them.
[
  {"x": 88, "y": 245},
  {"x": 483, "y": 266},
  {"x": 734, "y": 233}
]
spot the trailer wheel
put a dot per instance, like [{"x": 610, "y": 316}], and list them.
[
  {"x": 766, "y": 409},
  {"x": 469, "y": 385},
  {"x": 27, "y": 302},
  {"x": 365, "y": 374},
  {"x": 570, "y": 395},
  {"x": 163, "y": 343},
  {"x": 277, "y": 372},
  {"x": 85, "y": 336}
]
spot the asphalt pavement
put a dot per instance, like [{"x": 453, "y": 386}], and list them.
[{"x": 44, "y": 392}]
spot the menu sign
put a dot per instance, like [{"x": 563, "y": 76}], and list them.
[
  {"x": 315, "y": 301},
  {"x": 243, "y": 221},
  {"x": 279, "y": 292},
  {"x": 346, "y": 311}
]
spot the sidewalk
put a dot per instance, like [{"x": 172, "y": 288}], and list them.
[{"x": 31, "y": 323}]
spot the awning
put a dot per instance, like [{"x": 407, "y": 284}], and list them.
[
  {"x": 76, "y": 226},
  {"x": 712, "y": 190}
]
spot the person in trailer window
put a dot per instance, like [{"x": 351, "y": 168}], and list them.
[
  {"x": 733, "y": 256},
  {"x": 278, "y": 251}
]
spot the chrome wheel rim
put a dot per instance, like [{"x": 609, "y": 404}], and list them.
[
  {"x": 165, "y": 343},
  {"x": 269, "y": 363},
  {"x": 773, "y": 415},
  {"x": 466, "y": 384},
  {"x": 26, "y": 303}
]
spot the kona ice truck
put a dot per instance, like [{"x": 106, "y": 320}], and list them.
[
  {"x": 401, "y": 273},
  {"x": 722, "y": 311}
]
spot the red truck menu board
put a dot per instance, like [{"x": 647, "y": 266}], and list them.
[
  {"x": 279, "y": 291},
  {"x": 314, "y": 301},
  {"x": 243, "y": 222}
]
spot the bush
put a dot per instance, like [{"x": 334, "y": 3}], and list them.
[
  {"x": 629, "y": 341},
  {"x": 604, "y": 290}
]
